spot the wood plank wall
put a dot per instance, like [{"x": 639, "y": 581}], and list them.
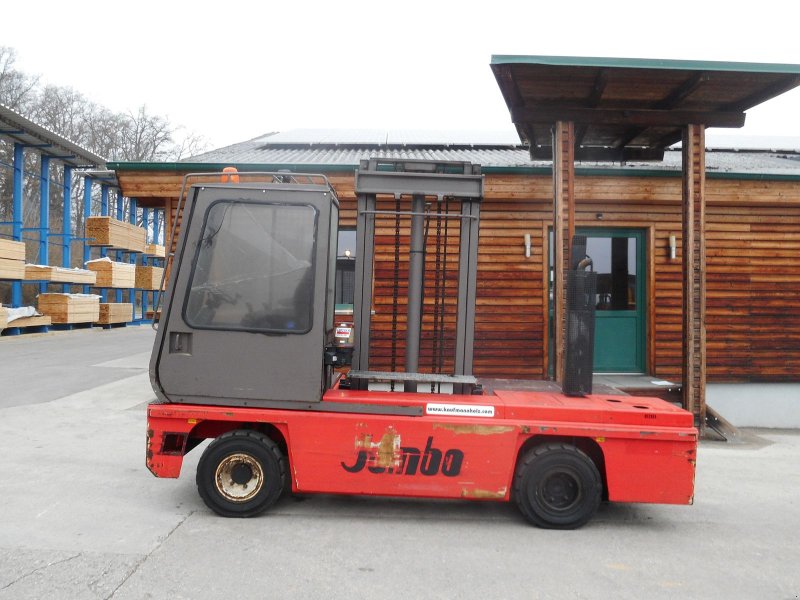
[
  {"x": 753, "y": 296},
  {"x": 753, "y": 281}
]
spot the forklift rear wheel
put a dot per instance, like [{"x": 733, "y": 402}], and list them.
[
  {"x": 241, "y": 474},
  {"x": 557, "y": 486}
]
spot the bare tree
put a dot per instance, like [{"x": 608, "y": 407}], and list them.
[{"x": 17, "y": 90}]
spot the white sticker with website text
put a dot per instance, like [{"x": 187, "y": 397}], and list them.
[{"x": 460, "y": 410}]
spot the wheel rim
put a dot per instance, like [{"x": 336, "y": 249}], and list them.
[
  {"x": 559, "y": 491},
  {"x": 239, "y": 477}
]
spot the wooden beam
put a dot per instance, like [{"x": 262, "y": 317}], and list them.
[
  {"x": 563, "y": 231},
  {"x": 776, "y": 89},
  {"x": 615, "y": 116},
  {"x": 673, "y": 99},
  {"x": 598, "y": 153},
  {"x": 694, "y": 273},
  {"x": 598, "y": 89}
]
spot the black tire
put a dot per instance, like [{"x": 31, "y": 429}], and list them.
[
  {"x": 557, "y": 486},
  {"x": 241, "y": 474}
]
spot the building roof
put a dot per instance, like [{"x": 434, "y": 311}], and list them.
[
  {"x": 630, "y": 108},
  {"x": 24, "y": 131},
  {"x": 328, "y": 149},
  {"x": 325, "y": 151},
  {"x": 348, "y": 147}
]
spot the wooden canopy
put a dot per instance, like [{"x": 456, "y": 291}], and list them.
[
  {"x": 630, "y": 109},
  {"x": 617, "y": 109}
]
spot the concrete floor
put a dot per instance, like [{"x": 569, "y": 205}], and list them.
[{"x": 81, "y": 517}]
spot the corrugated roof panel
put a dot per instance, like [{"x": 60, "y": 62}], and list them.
[
  {"x": 256, "y": 152},
  {"x": 49, "y": 143},
  {"x": 328, "y": 136},
  {"x": 392, "y": 137}
]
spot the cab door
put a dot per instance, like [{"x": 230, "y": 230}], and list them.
[{"x": 247, "y": 312}]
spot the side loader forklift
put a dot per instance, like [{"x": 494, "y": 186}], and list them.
[{"x": 245, "y": 354}]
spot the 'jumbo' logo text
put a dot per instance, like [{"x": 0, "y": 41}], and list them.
[{"x": 411, "y": 461}]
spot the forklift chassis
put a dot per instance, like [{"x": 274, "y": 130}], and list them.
[
  {"x": 246, "y": 355},
  {"x": 556, "y": 457}
]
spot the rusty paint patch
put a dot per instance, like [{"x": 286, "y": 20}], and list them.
[
  {"x": 483, "y": 494},
  {"x": 524, "y": 429},
  {"x": 474, "y": 429},
  {"x": 645, "y": 433},
  {"x": 386, "y": 452},
  {"x": 150, "y": 433},
  {"x": 389, "y": 448},
  {"x": 545, "y": 429}
]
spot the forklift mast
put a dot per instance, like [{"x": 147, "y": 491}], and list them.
[
  {"x": 248, "y": 318},
  {"x": 428, "y": 184}
]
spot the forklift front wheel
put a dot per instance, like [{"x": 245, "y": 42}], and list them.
[
  {"x": 557, "y": 486},
  {"x": 241, "y": 474}
]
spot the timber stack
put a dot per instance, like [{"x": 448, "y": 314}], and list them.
[
  {"x": 148, "y": 278},
  {"x": 59, "y": 274},
  {"x": 115, "y": 312},
  {"x": 12, "y": 259},
  {"x": 156, "y": 250},
  {"x": 70, "y": 308},
  {"x": 112, "y": 274},
  {"x": 114, "y": 234}
]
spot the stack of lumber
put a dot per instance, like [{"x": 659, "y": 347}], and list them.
[
  {"x": 148, "y": 278},
  {"x": 70, "y": 308},
  {"x": 105, "y": 231},
  {"x": 12, "y": 259},
  {"x": 12, "y": 317},
  {"x": 156, "y": 250},
  {"x": 115, "y": 312},
  {"x": 34, "y": 321},
  {"x": 112, "y": 274},
  {"x": 59, "y": 274}
]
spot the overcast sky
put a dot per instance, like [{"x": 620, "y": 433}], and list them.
[{"x": 234, "y": 70}]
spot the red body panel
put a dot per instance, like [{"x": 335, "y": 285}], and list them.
[{"x": 648, "y": 446}]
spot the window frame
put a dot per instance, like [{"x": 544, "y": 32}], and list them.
[{"x": 196, "y": 257}]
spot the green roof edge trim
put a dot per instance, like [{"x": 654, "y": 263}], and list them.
[
  {"x": 306, "y": 168},
  {"x": 214, "y": 167},
  {"x": 645, "y": 63}
]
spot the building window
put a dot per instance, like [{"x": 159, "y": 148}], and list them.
[{"x": 346, "y": 269}]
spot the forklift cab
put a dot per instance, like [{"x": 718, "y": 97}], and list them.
[{"x": 250, "y": 305}]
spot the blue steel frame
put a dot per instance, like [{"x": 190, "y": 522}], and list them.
[
  {"x": 132, "y": 256},
  {"x": 44, "y": 216},
  {"x": 16, "y": 215},
  {"x": 118, "y": 255},
  {"x": 87, "y": 212},
  {"x": 104, "y": 213},
  {"x": 67, "y": 234},
  {"x": 66, "y": 227},
  {"x": 145, "y": 260}
]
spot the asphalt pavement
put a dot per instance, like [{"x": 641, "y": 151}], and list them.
[{"x": 81, "y": 517}]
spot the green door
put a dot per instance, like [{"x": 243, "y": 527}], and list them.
[
  {"x": 618, "y": 257},
  {"x": 619, "y": 261}
]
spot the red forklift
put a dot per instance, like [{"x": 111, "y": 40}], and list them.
[{"x": 246, "y": 354}]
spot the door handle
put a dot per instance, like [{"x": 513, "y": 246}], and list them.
[{"x": 180, "y": 342}]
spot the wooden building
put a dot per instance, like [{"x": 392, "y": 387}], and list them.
[{"x": 633, "y": 212}]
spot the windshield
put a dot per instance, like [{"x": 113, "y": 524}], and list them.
[{"x": 254, "y": 268}]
